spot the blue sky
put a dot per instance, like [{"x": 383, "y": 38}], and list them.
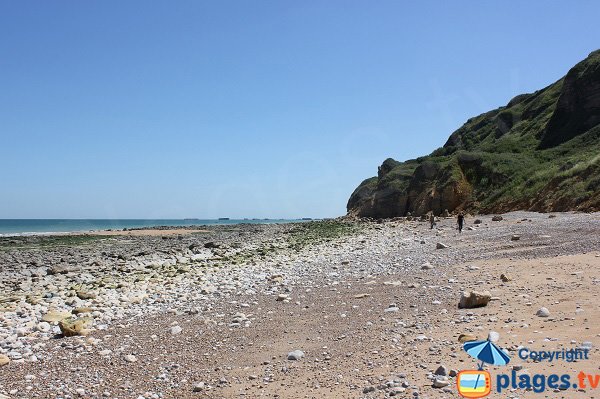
[{"x": 138, "y": 109}]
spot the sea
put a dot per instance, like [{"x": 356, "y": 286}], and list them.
[{"x": 17, "y": 227}]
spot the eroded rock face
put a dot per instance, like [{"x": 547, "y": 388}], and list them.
[
  {"x": 578, "y": 107},
  {"x": 409, "y": 188}
]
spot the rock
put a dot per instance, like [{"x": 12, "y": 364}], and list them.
[
  {"x": 137, "y": 298},
  {"x": 364, "y": 295},
  {"x": 477, "y": 221},
  {"x": 368, "y": 389},
  {"x": 82, "y": 310},
  {"x": 54, "y": 315},
  {"x": 175, "y": 330},
  {"x": 86, "y": 295},
  {"x": 427, "y": 266},
  {"x": 130, "y": 358},
  {"x": 441, "y": 382},
  {"x": 474, "y": 299},
  {"x": 43, "y": 327},
  {"x": 4, "y": 360},
  {"x": 493, "y": 336},
  {"x": 39, "y": 272},
  {"x": 281, "y": 297},
  {"x": 542, "y": 312},
  {"x": 72, "y": 327},
  {"x": 515, "y": 237},
  {"x": 295, "y": 355},
  {"x": 505, "y": 278},
  {"x": 497, "y": 218},
  {"x": 61, "y": 269},
  {"x": 442, "y": 370},
  {"x": 440, "y": 245},
  {"x": 551, "y": 216},
  {"x": 199, "y": 387}
]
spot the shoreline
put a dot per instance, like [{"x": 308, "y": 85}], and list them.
[{"x": 158, "y": 226}]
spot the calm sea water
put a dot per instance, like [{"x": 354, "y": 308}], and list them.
[{"x": 30, "y": 226}]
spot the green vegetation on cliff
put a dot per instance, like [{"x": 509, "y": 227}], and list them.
[{"x": 539, "y": 152}]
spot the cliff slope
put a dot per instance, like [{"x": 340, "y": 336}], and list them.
[{"x": 540, "y": 152}]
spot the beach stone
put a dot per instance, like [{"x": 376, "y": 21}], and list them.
[
  {"x": 295, "y": 355},
  {"x": 543, "y": 312},
  {"x": 175, "y": 330},
  {"x": 493, "y": 336},
  {"x": 442, "y": 370},
  {"x": 474, "y": 299},
  {"x": 515, "y": 237},
  {"x": 497, "y": 218},
  {"x": 4, "y": 360},
  {"x": 61, "y": 269},
  {"x": 505, "y": 278},
  {"x": 199, "y": 387},
  {"x": 73, "y": 327},
  {"x": 440, "y": 245},
  {"x": 82, "y": 310},
  {"x": 86, "y": 295},
  {"x": 477, "y": 221},
  {"x": 368, "y": 389},
  {"x": 55, "y": 315},
  {"x": 426, "y": 266},
  {"x": 281, "y": 297},
  {"x": 130, "y": 358},
  {"x": 39, "y": 272},
  {"x": 44, "y": 327},
  {"x": 441, "y": 382}
]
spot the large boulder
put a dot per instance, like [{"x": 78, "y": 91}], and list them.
[
  {"x": 474, "y": 299},
  {"x": 72, "y": 327}
]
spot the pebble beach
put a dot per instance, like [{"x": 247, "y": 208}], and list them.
[{"x": 342, "y": 308}]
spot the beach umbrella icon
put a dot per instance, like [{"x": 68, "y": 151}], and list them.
[{"x": 487, "y": 352}]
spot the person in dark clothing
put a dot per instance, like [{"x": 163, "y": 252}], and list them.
[{"x": 460, "y": 221}]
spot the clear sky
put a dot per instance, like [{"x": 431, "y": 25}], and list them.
[{"x": 173, "y": 109}]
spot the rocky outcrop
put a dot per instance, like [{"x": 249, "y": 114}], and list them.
[
  {"x": 539, "y": 152},
  {"x": 578, "y": 107}
]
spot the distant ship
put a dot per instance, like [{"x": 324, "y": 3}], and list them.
[
  {"x": 223, "y": 218},
  {"x": 190, "y": 219}
]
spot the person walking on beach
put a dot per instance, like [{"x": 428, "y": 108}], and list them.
[
  {"x": 431, "y": 220},
  {"x": 460, "y": 220}
]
